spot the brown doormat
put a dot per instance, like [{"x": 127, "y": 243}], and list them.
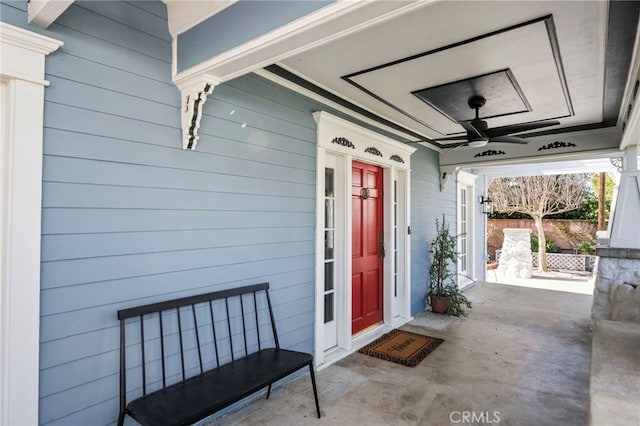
[{"x": 402, "y": 347}]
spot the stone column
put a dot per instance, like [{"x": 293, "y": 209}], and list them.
[
  {"x": 616, "y": 295},
  {"x": 515, "y": 257}
]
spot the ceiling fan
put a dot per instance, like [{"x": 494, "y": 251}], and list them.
[{"x": 479, "y": 134}]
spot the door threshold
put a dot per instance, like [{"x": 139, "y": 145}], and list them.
[{"x": 367, "y": 329}]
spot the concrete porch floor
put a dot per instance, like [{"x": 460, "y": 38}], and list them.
[{"x": 522, "y": 357}]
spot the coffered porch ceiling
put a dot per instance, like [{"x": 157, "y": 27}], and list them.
[
  {"x": 550, "y": 60},
  {"x": 410, "y": 67}
]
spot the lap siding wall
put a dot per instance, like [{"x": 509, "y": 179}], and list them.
[{"x": 131, "y": 218}]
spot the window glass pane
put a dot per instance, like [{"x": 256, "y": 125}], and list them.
[
  {"x": 328, "y": 307},
  {"x": 328, "y": 182},
  {"x": 395, "y": 286},
  {"x": 328, "y": 276},
  {"x": 328, "y": 213},
  {"x": 328, "y": 244}
]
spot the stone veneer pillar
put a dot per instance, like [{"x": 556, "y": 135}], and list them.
[
  {"x": 616, "y": 294},
  {"x": 515, "y": 257}
]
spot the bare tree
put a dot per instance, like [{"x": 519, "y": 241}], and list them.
[{"x": 538, "y": 196}]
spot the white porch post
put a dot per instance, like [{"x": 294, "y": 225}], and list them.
[
  {"x": 623, "y": 228},
  {"x": 21, "y": 113}
]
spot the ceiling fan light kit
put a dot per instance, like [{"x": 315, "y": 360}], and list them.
[{"x": 478, "y": 143}]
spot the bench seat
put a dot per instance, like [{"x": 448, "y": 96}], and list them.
[
  {"x": 186, "y": 402},
  {"x": 229, "y": 337}
]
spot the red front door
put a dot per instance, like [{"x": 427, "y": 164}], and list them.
[{"x": 366, "y": 280}]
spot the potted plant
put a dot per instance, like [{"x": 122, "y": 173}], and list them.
[{"x": 444, "y": 293}]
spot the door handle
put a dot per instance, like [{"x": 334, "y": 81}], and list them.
[{"x": 382, "y": 250}]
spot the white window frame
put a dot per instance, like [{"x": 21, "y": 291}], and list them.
[
  {"x": 344, "y": 142},
  {"x": 22, "y": 114}
]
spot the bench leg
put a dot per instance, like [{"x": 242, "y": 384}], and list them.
[
  {"x": 269, "y": 391},
  {"x": 121, "y": 418},
  {"x": 315, "y": 389}
]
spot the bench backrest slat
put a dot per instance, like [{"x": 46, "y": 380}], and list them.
[
  {"x": 273, "y": 322},
  {"x": 164, "y": 373},
  {"x": 180, "y": 339},
  {"x": 213, "y": 331},
  {"x": 159, "y": 347},
  {"x": 144, "y": 370},
  {"x": 255, "y": 310},
  {"x": 244, "y": 326},
  {"x": 226, "y": 305},
  {"x": 195, "y": 322}
]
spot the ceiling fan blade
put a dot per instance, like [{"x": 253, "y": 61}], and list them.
[
  {"x": 450, "y": 139},
  {"x": 471, "y": 130},
  {"x": 456, "y": 147},
  {"x": 509, "y": 139},
  {"x": 517, "y": 128}
]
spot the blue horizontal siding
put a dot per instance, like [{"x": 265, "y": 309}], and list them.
[
  {"x": 225, "y": 154},
  {"x": 152, "y": 7},
  {"x": 69, "y": 220},
  {"x": 428, "y": 203},
  {"x": 71, "y": 170},
  {"x": 82, "y": 195},
  {"x": 95, "y": 270},
  {"x": 83, "y": 246},
  {"x": 148, "y": 20},
  {"x": 107, "y": 76},
  {"x": 70, "y": 92},
  {"x": 104, "y": 22}
]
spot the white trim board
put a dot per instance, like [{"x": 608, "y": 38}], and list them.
[{"x": 22, "y": 113}]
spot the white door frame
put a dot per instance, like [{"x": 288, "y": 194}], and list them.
[
  {"x": 340, "y": 142},
  {"x": 467, "y": 181},
  {"x": 21, "y": 120}
]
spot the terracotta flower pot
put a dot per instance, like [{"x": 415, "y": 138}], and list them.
[{"x": 439, "y": 305}]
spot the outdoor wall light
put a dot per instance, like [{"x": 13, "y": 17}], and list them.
[{"x": 487, "y": 204}]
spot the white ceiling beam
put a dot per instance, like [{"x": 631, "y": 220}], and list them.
[
  {"x": 43, "y": 13},
  {"x": 631, "y": 121},
  {"x": 327, "y": 24}
]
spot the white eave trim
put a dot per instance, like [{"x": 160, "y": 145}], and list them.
[
  {"x": 43, "y": 13},
  {"x": 256, "y": 47}
]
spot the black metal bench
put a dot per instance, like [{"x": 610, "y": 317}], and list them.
[{"x": 194, "y": 356}]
